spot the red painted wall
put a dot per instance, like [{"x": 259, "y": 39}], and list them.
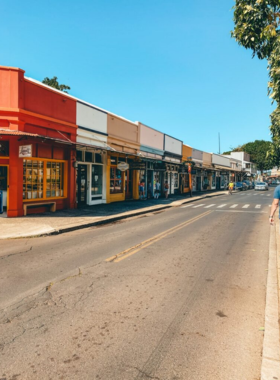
[
  {"x": 49, "y": 114},
  {"x": 49, "y": 103}
]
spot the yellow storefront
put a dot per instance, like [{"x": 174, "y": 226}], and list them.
[{"x": 186, "y": 177}]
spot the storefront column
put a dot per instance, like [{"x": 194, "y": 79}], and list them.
[
  {"x": 136, "y": 179},
  {"x": 71, "y": 183},
  {"x": 15, "y": 180}
]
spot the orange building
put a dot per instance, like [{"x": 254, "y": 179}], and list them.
[
  {"x": 186, "y": 177},
  {"x": 37, "y": 145}
]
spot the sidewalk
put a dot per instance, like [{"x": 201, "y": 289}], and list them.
[
  {"x": 271, "y": 347},
  {"x": 88, "y": 216}
]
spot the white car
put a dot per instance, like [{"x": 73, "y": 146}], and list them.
[{"x": 261, "y": 186}]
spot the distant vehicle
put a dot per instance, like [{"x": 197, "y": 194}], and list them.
[
  {"x": 241, "y": 186},
  {"x": 249, "y": 184},
  {"x": 261, "y": 186}
]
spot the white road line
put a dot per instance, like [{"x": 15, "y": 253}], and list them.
[
  {"x": 210, "y": 205},
  {"x": 188, "y": 205},
  {"x": 268, "y": 195},
  {"x": 199, "y": 206},
  {"x": 258, "y": 206},
  {"x": 222, "y": 206},
  {"x": 233, "y": 206},
  {"x": 262, "y": 195},
  {"x": 245, "y": 206}
]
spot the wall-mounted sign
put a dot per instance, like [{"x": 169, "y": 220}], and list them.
[
  {"x": 138, "y": 165},
  {"x": 123, "y": 166},
  {"x": 25, "y": 151}
]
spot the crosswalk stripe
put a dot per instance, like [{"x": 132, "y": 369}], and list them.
[
  {"x": 233, "y": 206},
  {"x": 268, "y": 195},
  {"x": 189, "y": 205},
  {"x": 222, "y": 206},
  {"x": 210, "y": 205},
  {"x": 245, "y": 206},
  {"x": 258, "y": 206},
  {"x": 199, "y": 206}
]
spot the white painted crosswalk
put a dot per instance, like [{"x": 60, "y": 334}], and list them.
[{"x": 227, "y": 206}]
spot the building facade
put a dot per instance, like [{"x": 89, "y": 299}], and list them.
[{"x": 38, "y": 137}]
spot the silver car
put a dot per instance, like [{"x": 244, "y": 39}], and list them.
[{"x": 261, "y": 186}]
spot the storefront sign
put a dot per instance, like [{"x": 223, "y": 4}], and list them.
[
  {"x": 123, "y": 166},
  {"x": 138, "y": 165},
  {"x": 25, "y": 151}
]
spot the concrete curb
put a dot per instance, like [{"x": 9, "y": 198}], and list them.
[
  {"x": 117, "y": 217},
  {"x": 130, "y": 215},
  {"x": 270, "y": 368}
]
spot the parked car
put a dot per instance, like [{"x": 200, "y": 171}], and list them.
[
  {"x": 249, "y": 184},
  {"x": 241, "y": 186},
  {"x": 261, "y": 186}
]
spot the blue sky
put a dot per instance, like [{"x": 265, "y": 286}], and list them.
[{"x": 169, "y": 64}]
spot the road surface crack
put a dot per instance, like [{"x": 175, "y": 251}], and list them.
[
  {"x": 17, "y": 253},
  {"x": 146, "y": 375}
]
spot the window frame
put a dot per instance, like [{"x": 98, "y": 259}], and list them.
[{"x": 64, "y": 179}]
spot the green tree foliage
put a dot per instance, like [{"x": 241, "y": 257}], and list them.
[
  {"x": 257, "y": 28},
  {"x": 258, "y": 151},
  {"x": 52, "y": 82}
]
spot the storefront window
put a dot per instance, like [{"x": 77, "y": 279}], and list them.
[
  {"x": 88, "y": 157},
  {"x": 79, "y": 155},
  {"x": 3, "y": 177},
  {"x": 116, "y": 183},
  {"x": 213, "y": 179},
  {"x": 176, "y": 180},
  {"x": 34, "y": 174},
  {"x": 186, "y": 181},
  {"x": 54, "y": 179},
  {"x": 4, "y": 148},
  {"x": 96, "y": 180}
]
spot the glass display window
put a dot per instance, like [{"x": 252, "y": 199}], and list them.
[
  {"x": 186, "y": 181},
  {"x": 96, "y": 179},
  {"x": 89, "y": 157},
  {"x": 4, "y": 148},
  {"x": 176, "y": 180},
  {"x": 43, "y": 179},
  {"x": 116, "y": 180}
]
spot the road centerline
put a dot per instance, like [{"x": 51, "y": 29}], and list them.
[{"x": 136, "y": 248}]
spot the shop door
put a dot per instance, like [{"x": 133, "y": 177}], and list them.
[
  {"x": 218, "y": 183},
  {"x": 198, "y": 183},
  {"x": 4, "y": 184},
  {"x": 82, "y": 185},
  {"x": 150, "y": 181},
  {"x": 171, "y": 185},
  {"x": 129, "y": 184}
]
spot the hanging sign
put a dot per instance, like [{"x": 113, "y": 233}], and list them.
[
  {"x": 189, "y": 168},
  {"x": 123, "y": 166},
  {"x": 25, "y": 151}
]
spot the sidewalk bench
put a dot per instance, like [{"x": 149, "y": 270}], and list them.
[{"x": 52, "y": 204}]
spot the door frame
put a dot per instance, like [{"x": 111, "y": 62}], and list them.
[
  {"x": 8, "y": 184},
  {"x": 78, "y": 184}
]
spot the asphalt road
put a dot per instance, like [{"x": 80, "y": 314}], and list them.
[{"x": 178, "y": 294}]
